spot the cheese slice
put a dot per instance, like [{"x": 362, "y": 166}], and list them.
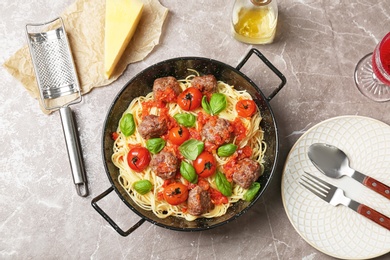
[{"x": 122, "y": 17}]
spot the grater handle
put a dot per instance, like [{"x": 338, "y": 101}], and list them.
[{"x": 74, "y": 150}]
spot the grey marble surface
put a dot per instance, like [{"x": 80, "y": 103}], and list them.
[{"x": 317, "y": 46}]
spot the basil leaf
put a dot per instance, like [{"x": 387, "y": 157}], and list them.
[
  {"x": 155, "y": 145},
  {"x": 223, "y": 185},
  {"x": 226, "y": 150},
  {"x": 188, "y": 172},
  {"x": 206, "y": 105},
  {"x": 252, "y": 191},
  {"x": 191, "y": 148},
  {"x": 218, "y": 103},
  {"x": 185, "y": 119},
  {"x": 142, "y": 186},
  {"x": 127, "y": 124}
]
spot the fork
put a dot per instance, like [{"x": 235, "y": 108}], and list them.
[{"x": 335, "y": 196}]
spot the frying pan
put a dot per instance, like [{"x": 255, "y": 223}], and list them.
[{"x": 142, "y": 84}]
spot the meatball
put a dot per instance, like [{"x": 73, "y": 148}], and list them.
[
  {"x": 199, "y": 201},
  {"x": 164, "y": 164},
  {"x": 166, "y": 89},
  {"x": 246, "y": 172},
  {"x": 217, "y": 131},
  {"x": 152, "y": 126},
  {"x": 206, "y": 84}
]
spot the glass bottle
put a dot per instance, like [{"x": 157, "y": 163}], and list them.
[{"x": 254, "y": 21}]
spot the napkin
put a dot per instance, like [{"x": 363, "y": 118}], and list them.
[{"x": 84, "y": 22}]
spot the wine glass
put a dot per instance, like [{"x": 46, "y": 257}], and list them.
[{"x": 372, "y": 73}]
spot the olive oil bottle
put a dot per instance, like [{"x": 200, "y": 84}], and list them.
[{"x": 254, "y": 21}]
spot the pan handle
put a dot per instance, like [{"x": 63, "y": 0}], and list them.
[
  {"x": 109, "y": 220},
  {"x": 269, "y": 65}
]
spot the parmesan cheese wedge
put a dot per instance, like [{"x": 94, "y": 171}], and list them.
[{"x": 122, "y": 17}]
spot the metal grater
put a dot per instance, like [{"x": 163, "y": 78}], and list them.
[{"x": 58, "y": 86}]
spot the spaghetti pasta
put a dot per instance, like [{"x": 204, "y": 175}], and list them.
[{"x": 153, "y": 201}]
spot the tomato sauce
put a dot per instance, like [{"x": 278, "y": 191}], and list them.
[
  {"x": 160, "y": 195},
  {"x": 168, "y": 95},
  {"x": 210, "y": 147},
  {"x": 195, "y": 134},
  {"x": 147, "y": 105},
  {"x": 204, "y": 184},
  {"x": 229, "y": 168},
  {"x": 239, "y": 129},
  {"x": 164, "y": 115},
  {"x": 244, "y": 152},
  {"x": 131, "y": 146},
  {"x": 217, "y": 197},
  {"x": 114, "y": 135},
  {"x": 202, "y": 118}
]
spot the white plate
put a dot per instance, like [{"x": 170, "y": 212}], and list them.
[{"x": 339, "y": 231}]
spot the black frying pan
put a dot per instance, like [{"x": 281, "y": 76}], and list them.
[{"x": 142, "y": 84}]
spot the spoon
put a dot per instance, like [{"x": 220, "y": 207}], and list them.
[{"x": 334, "y": 163}]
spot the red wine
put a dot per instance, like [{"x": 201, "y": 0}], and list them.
[{"x": 381, "y": 60}]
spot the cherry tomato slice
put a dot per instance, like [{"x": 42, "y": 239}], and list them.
[
  {"x": 190, "y": 99},
  {"x": 175, "y": 193},
  {"x": 138, "y": 158},
  {"x": 205, "y": 164},
  {"x": 178, "y": 135},
  {"x": 246, "y": 107}
]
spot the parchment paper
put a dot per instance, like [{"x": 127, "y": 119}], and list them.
[{"x": 84, "y": 23}]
